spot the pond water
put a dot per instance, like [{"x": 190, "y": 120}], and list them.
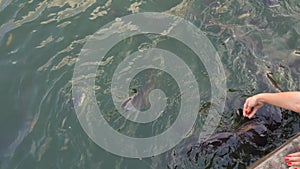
[{"x": 258, "y": 43}]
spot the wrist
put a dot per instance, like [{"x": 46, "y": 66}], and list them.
[{"x": 260, "y": 98}]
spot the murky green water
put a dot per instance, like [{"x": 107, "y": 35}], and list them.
[{"x": 40, "y": 41}]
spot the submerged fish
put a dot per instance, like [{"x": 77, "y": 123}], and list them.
[
  {"x": 11, "y": 140},
  {"x": 78, "y": 97},
  {"x": 250, "y": 133},
  {"x": 18, "y": 118},
  {"x": 272, "y": 3},
  {"x": 140, "y": 99},
  {"x": 250, "y": 137}
]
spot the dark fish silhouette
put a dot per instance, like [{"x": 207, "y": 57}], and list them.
[
  {"x": 78, "y": 98},
  {"x": 252, "y": 133},
  {"x": 208, "y": 153},
  {"x": 140, "y": 99},
  {"x": 26, "y": 117},
  {"x": 272, "y": 3}
]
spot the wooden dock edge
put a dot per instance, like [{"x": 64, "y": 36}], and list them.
[{"x": 275, "y": 159}]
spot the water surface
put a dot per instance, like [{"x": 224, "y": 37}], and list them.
[{"x": 258, "y": 42}]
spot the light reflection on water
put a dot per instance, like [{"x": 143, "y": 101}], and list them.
[{"x": 40, "y": 42}]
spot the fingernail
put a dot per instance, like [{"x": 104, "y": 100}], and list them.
[
  {"x": 289, "y": 163},
  {"x": 246, "y": 111},
  {"x": 286, "y": 158}
]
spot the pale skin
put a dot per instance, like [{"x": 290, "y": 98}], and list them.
[{"x": 286, "y": 100}]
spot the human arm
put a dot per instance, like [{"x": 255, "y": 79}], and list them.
[{"x": 286, "y": 100}]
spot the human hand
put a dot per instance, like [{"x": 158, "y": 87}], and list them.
[
  {"x": 251, "y": 105},
  {"x": 293, "y": 159}
]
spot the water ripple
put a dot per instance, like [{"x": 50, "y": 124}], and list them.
[{"x": 40, "y": 42}]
